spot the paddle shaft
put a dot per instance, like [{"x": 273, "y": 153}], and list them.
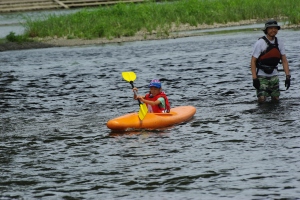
[{"x": 130, "y": 77}]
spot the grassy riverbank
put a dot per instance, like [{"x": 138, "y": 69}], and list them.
[{"x": 125, "y": 20}]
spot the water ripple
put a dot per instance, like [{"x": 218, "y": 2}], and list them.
[{"x": 54, "y": 104}]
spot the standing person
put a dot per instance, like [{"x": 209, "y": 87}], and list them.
[
  {"x": 267, "y": 53},
  {"x": 156, "y": 100}
]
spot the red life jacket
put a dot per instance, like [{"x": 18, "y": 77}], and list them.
[
  {"x": 157, "y": 108},
  {"x": 270, "y": 58}
]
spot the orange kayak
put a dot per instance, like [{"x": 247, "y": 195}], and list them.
[{"x": 152, "y": 120}]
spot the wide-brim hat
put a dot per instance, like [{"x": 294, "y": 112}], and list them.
[{"x": 271, "y": 23}]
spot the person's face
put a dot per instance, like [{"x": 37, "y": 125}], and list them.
[
  {"x": 272, "y": 31},
  {"x": 154, "y": 90}
]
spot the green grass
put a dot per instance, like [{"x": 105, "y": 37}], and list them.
[
  {"x": 127, "y": 19},
  {"x": 12, "y": 37}
]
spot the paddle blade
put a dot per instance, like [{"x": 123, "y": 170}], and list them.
[
  {"x": 129, "y": 76},
  {"x": 143, "y": 111}
]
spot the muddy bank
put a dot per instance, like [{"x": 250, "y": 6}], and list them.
[
  {"x": 175, "y": 32},
  {"x": 9, "y": 46}
]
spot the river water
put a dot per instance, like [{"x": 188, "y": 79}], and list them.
[{"x": 55, "y": 102}]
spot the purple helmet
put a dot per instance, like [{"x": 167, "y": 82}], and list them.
[{"x": 155, "y": 83}]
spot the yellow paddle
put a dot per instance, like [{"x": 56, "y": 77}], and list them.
[{"x": 130, "y": 77}]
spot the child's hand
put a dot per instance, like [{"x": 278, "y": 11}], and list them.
[
  {"x": 141, "y": 98},
  {"x": 135, "y": 93},
  {"x": 134, "y": 89}
]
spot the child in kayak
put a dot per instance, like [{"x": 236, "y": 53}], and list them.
[{"x": 156, "y": 100}]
